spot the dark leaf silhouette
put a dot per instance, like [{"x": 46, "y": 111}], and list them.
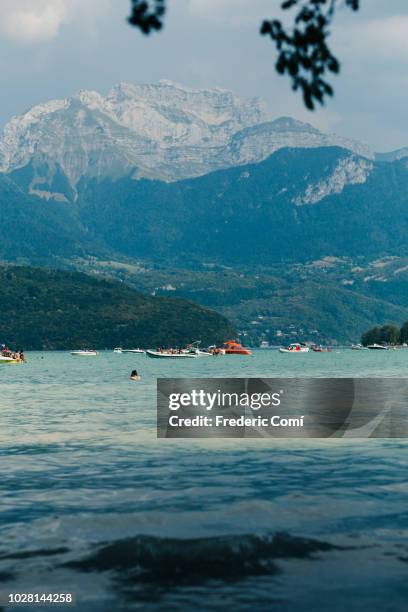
[
  {"x": 147, "y": 15},
  {"x": 303, "y": 52}
]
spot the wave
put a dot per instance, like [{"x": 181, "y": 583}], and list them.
[{"x": 168, "y": 560}]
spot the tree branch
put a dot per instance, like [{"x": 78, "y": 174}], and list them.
[
  {"x": 303, "y": 52},
  {"x": 147, "y": 15}
]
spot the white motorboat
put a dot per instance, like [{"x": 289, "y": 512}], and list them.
[
  {"x": 136, "y": 350},
  {"x": 170, "y": 355},
  {"x": 197, "y": 352},
  {"x": 358, "y": 347},
  {"x": 295, "y": 347},
  {"x": 215, "y": 350},
  {"x": 118, "y": 350},
  {"x": 194, "y": 349},
  {"x": 84, "y": 353},
  {"x": 377, "y": 347}
]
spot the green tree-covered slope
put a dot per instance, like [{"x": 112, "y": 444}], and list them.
[
  {"x": 44, "y": 309},
  {"x": 40, "y": 230},
  {"x": 325, "y": 301},
  {"x": 296, "y": 206}
]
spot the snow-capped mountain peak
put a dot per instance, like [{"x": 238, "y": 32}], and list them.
[{"x": 163, "y": 130}]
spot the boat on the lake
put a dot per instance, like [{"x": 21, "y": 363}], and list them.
[
  {"x": 84, "y": 353},
  {"x": 9, "y": 359},
  {"x": 377, "y": 347},
  {"x": 321, "y": 349},
  {"x": 170, "y": 354},
  {"x": 295, "y": 347},
  {"x": 232, "y": 347},
  {"x": 216, "y": 350},
  {"x": 194, "y": 348},
  {"x": 198, "y": 352},
  {"x": 204, "y": 353},
  {"x": 358, "y": 347},
  {"x": 9, "y": 356},
  {"x": 119, "y": 349}
]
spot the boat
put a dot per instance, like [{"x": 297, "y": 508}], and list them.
[
  {"x": 198, "y": 352},
  {"x": 118, "y": 350},
  {"x": 9, "y": 356},
  {"x": 136, "y": 350},
  {"x": 321, "y": 349},
  {"x": 377, "y": 347},
  {"x": 358, "y": 347},
  {"x": 9, "y": 359},
  {"x": 169, "y": 354},
  {"x": 232, "y": 347},
  {"x": 194, "y": 348},
  {"x": 215, "y": 350},
  {"x": 84, "y": 353},
  {"x": 295, "y": 347}
]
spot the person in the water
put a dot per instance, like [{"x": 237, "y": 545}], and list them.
[{"x": 134, "y": 375}]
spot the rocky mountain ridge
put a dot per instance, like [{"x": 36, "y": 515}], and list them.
[{"x": 164, "y": 131}]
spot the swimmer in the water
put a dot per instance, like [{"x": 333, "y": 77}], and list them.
[{"x": 134, "y": 375}]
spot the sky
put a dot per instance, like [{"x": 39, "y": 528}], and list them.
[{"x": 52, "y": 48}]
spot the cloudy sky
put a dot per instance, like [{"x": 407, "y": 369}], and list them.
[{"x": 53, "y": 48}]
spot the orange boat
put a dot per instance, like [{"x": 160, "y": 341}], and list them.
[{"x": 232, "y": 347}]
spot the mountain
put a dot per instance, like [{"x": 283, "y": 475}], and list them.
[
  {"x": 298, "y": 205},
  {"x": 201, "y": 195},
  {"x": 163, "y": 131},
  {"x": 287, "y": 248},
  {"x": 295, "y": 206},
  {"x": 330, "y": 300},
  {"x": 392, "y": 155},
  {"x": 43, "y": 231},
  {"x": 45, "y": 309}
]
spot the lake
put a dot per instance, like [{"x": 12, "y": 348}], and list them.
[{"x": 93, "y": 503}]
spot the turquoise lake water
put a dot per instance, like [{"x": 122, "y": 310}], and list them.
[{"x": 93, "y": 503}]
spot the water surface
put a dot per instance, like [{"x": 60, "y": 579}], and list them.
[{"x": 92, "y": 502}]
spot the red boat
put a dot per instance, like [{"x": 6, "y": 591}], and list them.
[{"x": 232, "y": 347}]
